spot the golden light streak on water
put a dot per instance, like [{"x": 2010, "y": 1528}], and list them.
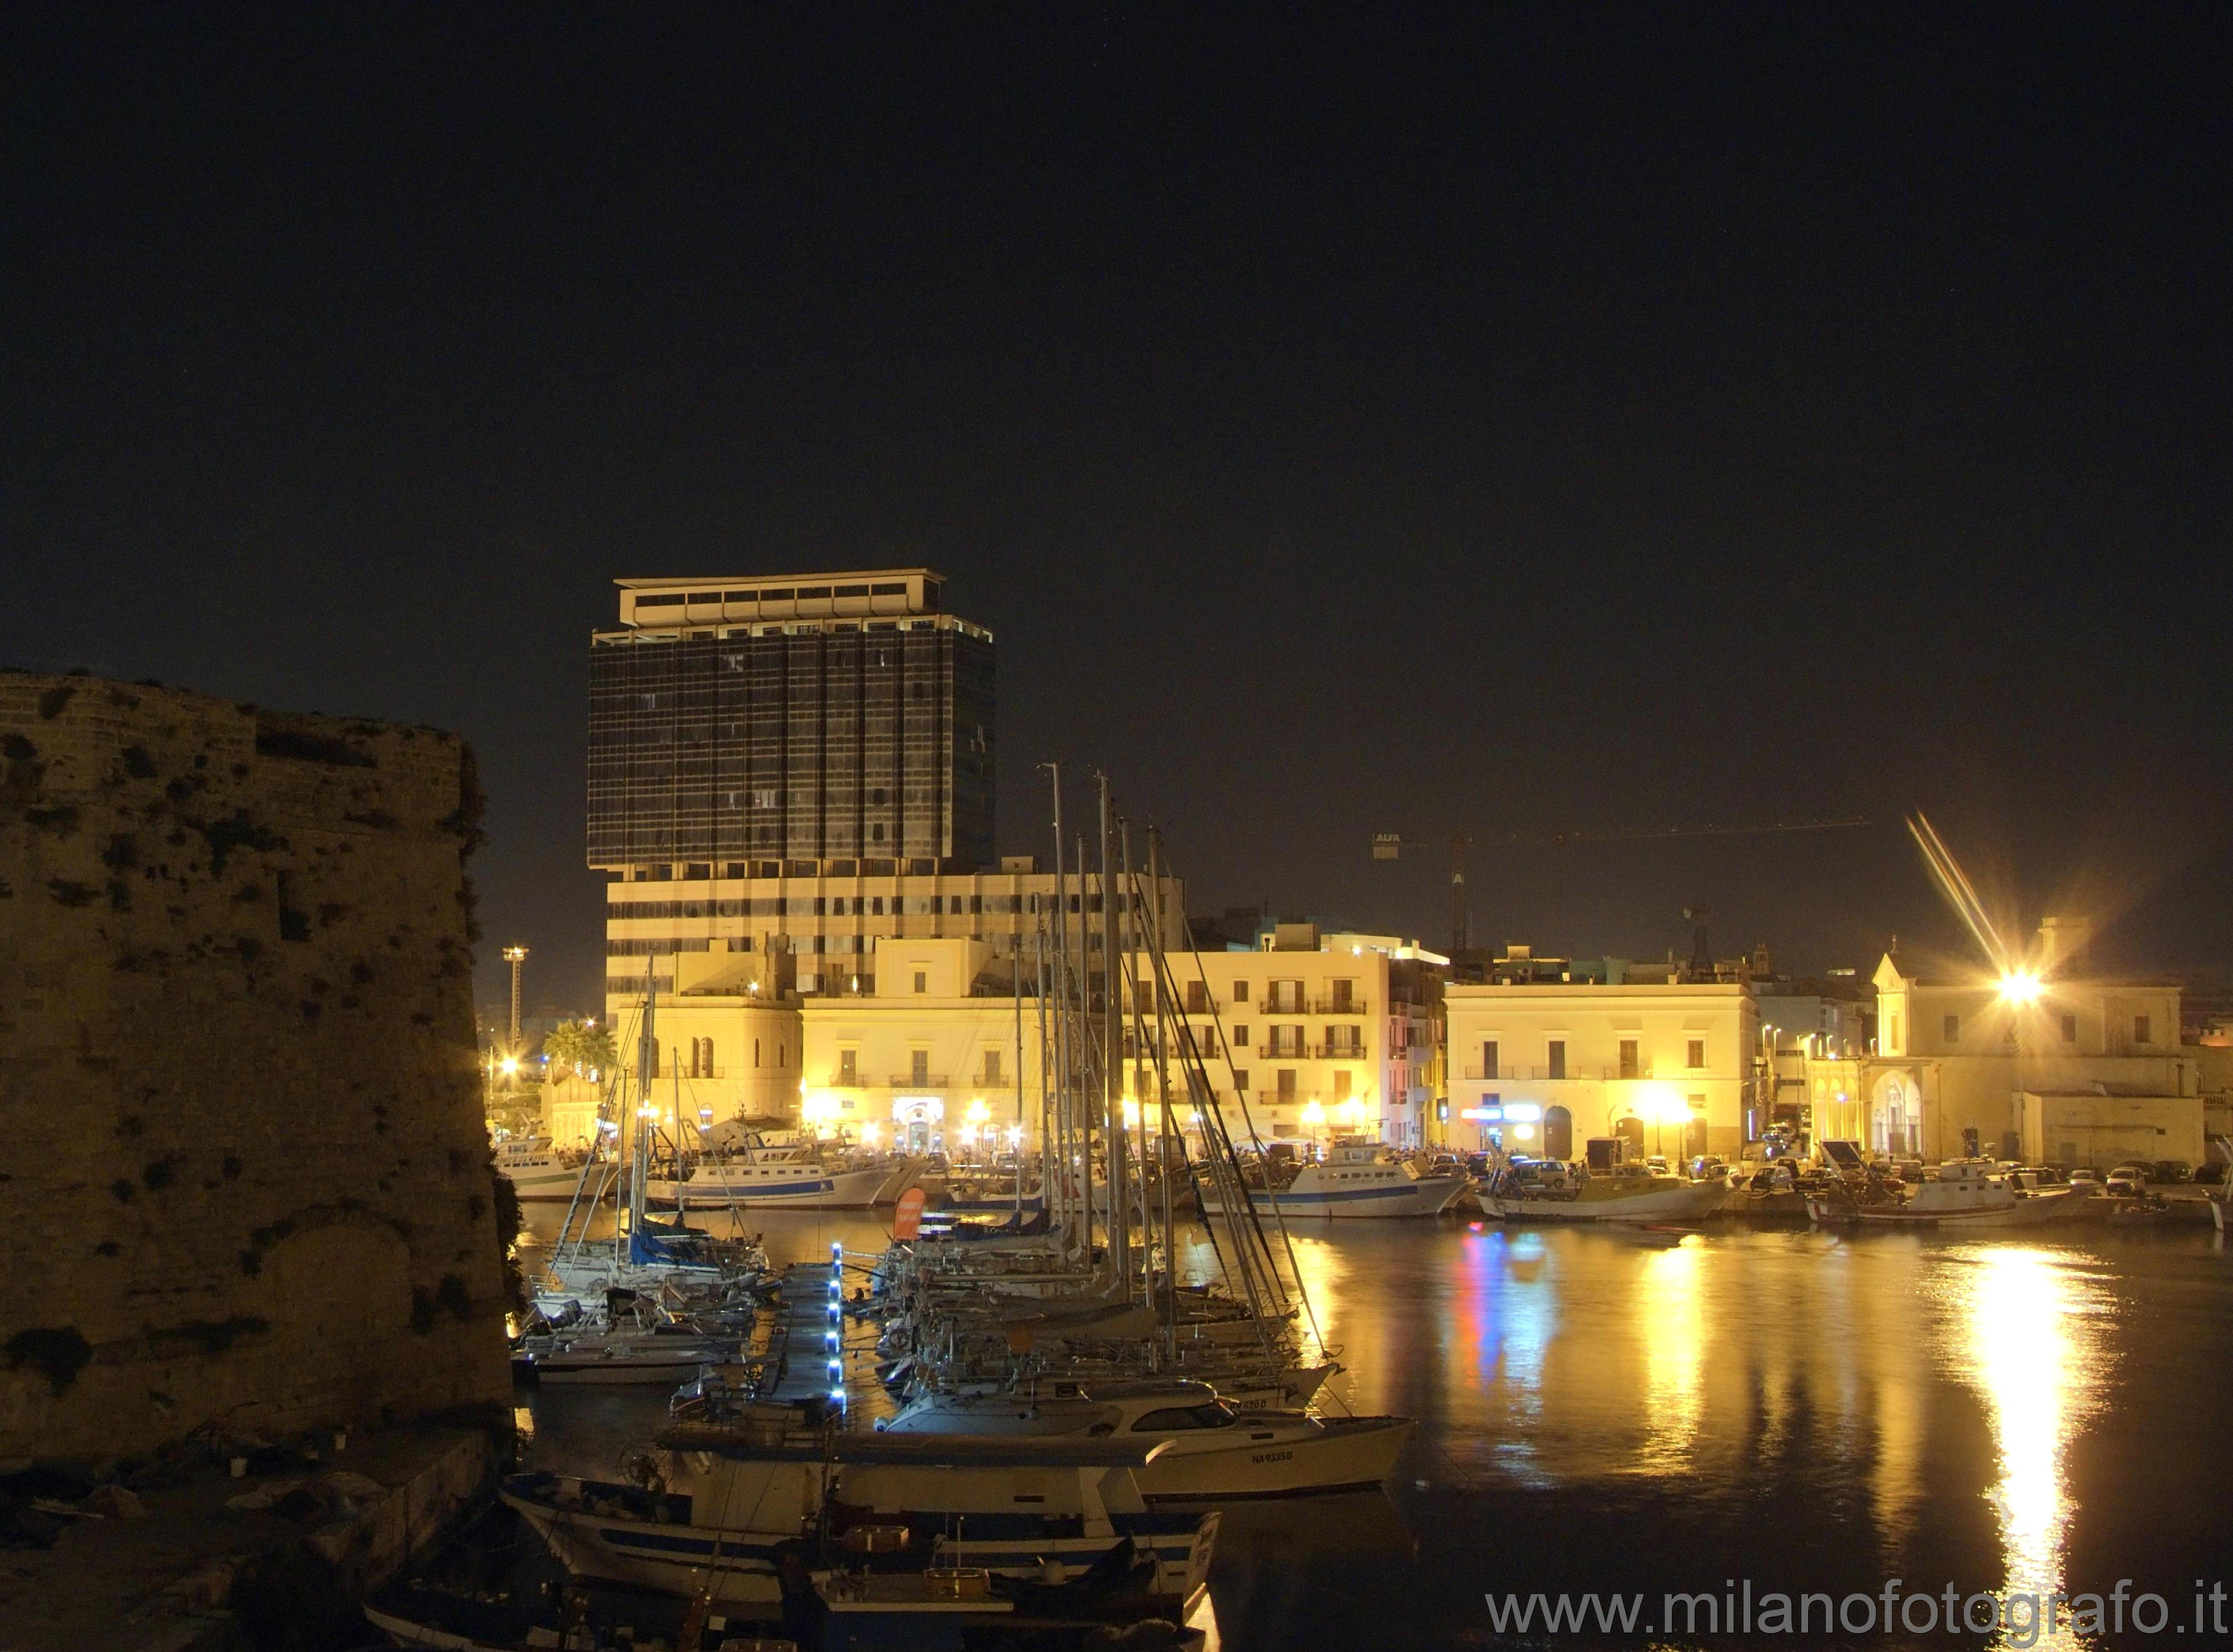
[
  {"x": 1671, "y": 1327},
  {"x": 2025, "y": 1330},
  {"x": 1322, "y": 1270}
]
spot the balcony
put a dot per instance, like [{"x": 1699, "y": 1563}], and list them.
[
  {"x": 1337, "y": 1006},
  {"x": 1283, "y": 1006},
  {"x": 1284, "y": 1053},
  {"x": 1338, "y": 1052},
  {"x": 917, "y": 1081}
]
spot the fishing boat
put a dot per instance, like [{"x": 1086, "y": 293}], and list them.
[
  {"x": 1214, "y": 1452},
  {"x": 1359, "y": 1178},
  {"x": 539, "y": 1173},
  {"x": 1038, "y": 1509},
  {"x": 1962, "y": 1193},
  {"x": 758, "y": 1174},
  {"x": 1625, "y": 1193}
]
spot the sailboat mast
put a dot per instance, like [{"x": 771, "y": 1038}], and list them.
[
  {"x": 1167, "y": 1025},
  {"x": 646, "y": 1071},
  {"x": 1112, "y": 1112}
]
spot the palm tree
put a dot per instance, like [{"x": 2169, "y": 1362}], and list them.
[{"x": 580, "y": 1047}]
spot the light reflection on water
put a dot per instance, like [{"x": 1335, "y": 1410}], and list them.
[
  {"x": 2023, "y": 1325},
  {"x": 1608, "y": 1411}
]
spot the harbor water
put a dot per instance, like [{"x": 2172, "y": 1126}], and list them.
[{"x": 1630, "y": 1415}]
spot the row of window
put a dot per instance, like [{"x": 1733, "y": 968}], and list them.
[
  {"x": 699, "y": 1062},
  {"x": 1630, "y": 1059},
  {"x": 780, "y": 594},
  {"x": 2143, "y": 1030}
]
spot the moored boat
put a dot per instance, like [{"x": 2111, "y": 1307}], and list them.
[
  {"x": 1626, "y": 1193},
  {"x": 1963, "y": 1193},
  {"x": 1359, "y": 1178},
  {"x": 1213, "y": 1451},
  {"x": 1043, "y": 1510}
]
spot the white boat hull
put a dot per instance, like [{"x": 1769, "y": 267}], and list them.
[
  {"x": 1427, "y": 1196},
  {"x": 677, "y": 1558},
  {"x": 1685, "y": 1204},
  {"x": 629, "y": 1365},
  {"x": 712, "y": 1187},
  {"x": 1262, "y": 1456},
  {"x": 2024, "y": 1213},
  {"x": 557, "y": 1184}
]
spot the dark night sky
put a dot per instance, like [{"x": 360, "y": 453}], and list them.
[{"x": 1586, "y": 417}]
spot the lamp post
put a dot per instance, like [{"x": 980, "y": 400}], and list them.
[{"x": 514, "y": 956}]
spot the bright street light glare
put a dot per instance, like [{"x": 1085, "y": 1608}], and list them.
[{"x": 2022, "y": 987}]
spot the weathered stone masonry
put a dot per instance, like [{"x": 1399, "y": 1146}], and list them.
[{"x": 242, "y": 1173}]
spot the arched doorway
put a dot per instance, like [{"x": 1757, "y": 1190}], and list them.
[
  {"x": 1630, "y": 1132},
  {"x": 1895, "y": 1113},
  {"x": 1557, "y": 1133}
]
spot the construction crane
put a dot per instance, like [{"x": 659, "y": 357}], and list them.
[{"x": 1388, "y": 846}]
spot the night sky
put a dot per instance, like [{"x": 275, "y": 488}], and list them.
[{"x": 1580, "y": 416}]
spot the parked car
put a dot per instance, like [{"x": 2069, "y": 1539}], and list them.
[
  {"x": 1657, "y": 1164},
  {"x": 2171, "y": 1170},
  {"x": 2085, "y": 1180},
  {"x": 2209, "y": 1175},
  {"x": 1708, "y": 1167},
  {"x": 2128, "y": 1179}
]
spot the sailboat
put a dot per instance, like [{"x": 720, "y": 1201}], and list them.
[{"x": 645, "y": 1253}]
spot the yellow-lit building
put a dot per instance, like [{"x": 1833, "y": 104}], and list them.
[
  {"x": 939, "y": 1057},
  {"x": 1669, "y": 1067},
  {"x": 1316, "y": 1033},
  {"x": 2073, "y": 1070}
]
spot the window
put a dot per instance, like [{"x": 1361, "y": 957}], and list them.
[
  {"x": 922, "y": 980},
  {"x": 993, "y": 1066},
  {"x": 701, "y": 1059},
  {"x": 1240, "y": 1078},
  {"x": 849, "y": 1066},
  {"x": 1896, "y": 1045},
  {"x": 1241, "y": 991},
  {"x": 1345, "y": 994},
  {"x": 919, "y": 1067},
  {"x": 1630, "y": 1066},
  {"x": 1558, "y": 1057},
  {"x": 2141, "y": 1029},
  {"x": 1341, "y": 1084},
  {"x": 2070, "y": 1029},
  {"x": 1697, "y": 1055},
  {"x": 779, "y": 1053},
  {"x": 1953, "y": 1029},
  {"x": 1488, "y": 1059},
  {"x": 1197, "y": 998},
  {"x": 756, "y": 1052},
  {"x": 1287, "y": 1085},
  {"x": 1239, "y": 1036}
]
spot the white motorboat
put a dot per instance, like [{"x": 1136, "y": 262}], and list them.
[
  {"x": 1962, "y": 1193},
  {"x": 1358, "y": 1178},
  {"x": 1625, "y": 1194},
  {"x": 1214, "y": 1452},
  {"x": 755, "y": 1175},
  {"x": 1044, "y": 1510}
]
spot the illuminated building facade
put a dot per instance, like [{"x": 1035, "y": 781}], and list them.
[{"x": 1668, "y": 1067}]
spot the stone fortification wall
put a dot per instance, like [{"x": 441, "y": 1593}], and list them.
[{"x": 242, "y": 1171}]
